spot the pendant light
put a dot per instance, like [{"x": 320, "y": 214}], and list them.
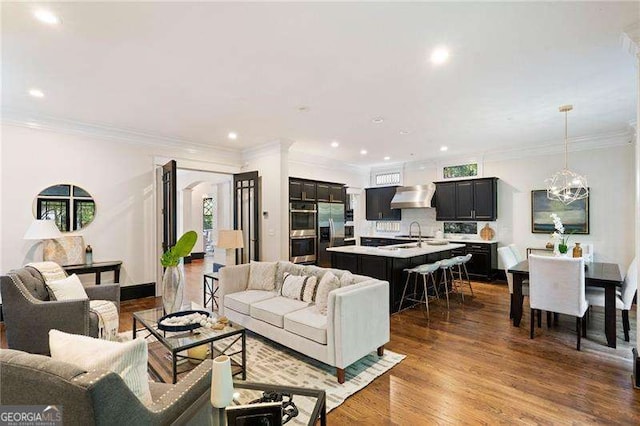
[{"x": 566, "y": 186}]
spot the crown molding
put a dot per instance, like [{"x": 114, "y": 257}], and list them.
[
  {"x": 318, "y": 161},
  {"x": 280, "y": 146},
  {"x": 585, "y": 143},
  {"x": 103, "y": 131},
  {"x": 630, "y": 40}
]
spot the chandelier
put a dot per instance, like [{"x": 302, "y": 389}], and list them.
[{"x": 566, "y": 186}]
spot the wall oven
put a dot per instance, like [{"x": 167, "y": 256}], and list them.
[
  {"x": 302, "y": 219},
  {"x": 302, "y": 249},
  {"x": 302, "y": 232}
]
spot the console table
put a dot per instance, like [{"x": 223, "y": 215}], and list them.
[{"x": 96, "y": 268}]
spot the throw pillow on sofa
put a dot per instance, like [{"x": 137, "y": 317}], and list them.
[
  {"x": 299, "y": 287},
  {"x": 127, "y": 359},
  {"x": 347, "y": 279},
  {"x": 285, "y": 266},
  {"x": 69, "y": 288},
  {"x": 328, "y": 283},
  {"x": 262, "y": 276}
]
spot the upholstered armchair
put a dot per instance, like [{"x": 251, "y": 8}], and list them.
[
  {"x": 94, "y": 397},
  {"x": 29, "y": 314}
]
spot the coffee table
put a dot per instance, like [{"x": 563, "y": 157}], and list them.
[
  {"x": 201, "y": 412},
  {"x": 182, "y": 341}
]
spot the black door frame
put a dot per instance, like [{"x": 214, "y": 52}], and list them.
[
  {"x": 243, "y": 184},
  {"x": 169, "y": 205}
]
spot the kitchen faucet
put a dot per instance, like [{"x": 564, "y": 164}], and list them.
[{"x": 419, "y": 232}]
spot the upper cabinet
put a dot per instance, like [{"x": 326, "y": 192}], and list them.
[
  {"x": 379, "y": 204},
  {"x": 475, "y": 199},
  {"x": 309, "y": 190},
  {"x": 301, "y": 190}
]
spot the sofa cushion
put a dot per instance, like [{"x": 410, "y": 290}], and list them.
[
  {"x": 262, "y": 275},
  {"x": 327, "y": 284},
  {"x": 273, "y": 310},
  {"x": 347, "y": 279},
  {"x": 307, "y": 323},
  {"x": 299, "y": 287},
  {"x": 69, "y": 288},
  {"x": 285, "y": 266},
  {"x": 241, "y": 301},
  {"x": 33, "y": 282}
]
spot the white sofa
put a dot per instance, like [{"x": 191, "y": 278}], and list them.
[{"x": 356, "y": 323}]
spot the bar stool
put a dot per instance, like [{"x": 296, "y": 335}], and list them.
[
  {"x": 462, "y": 266},
  {"x": 447, "y": 265},
  {"x": 425, "y": 271}
]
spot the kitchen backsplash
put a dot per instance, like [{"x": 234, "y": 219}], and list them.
[
  {"x": 461, "y": 228},
  {"x": 425, "y": 217}
]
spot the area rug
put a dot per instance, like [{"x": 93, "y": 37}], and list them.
[{"x": 269, "y": 362}]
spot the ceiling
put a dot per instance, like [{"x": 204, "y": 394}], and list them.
[{"x": 197, "y": 71}]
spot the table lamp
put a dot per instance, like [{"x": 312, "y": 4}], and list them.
[
  {"x": 44, "y": 229},
  {"x": 230, "y": 240}
]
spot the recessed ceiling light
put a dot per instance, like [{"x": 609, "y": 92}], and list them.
[
  {"x": 387, "y": 158},
  {"x": 404, "y": 132},
  {"x": 303, "y": 108},
  {"x": 363, "y": 152},
  {"x": 335, "y": 144},
  {"x": 443, "y": 148},
  {"x": 439, "y": 56},
  {"x": 377, "y": 120},
  {"x": 46, "y": 16},
  {"x": 232, "y": 135},
  {"x": 36, "y": 93}
]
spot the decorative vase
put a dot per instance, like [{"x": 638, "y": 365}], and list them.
[
  {"x": 221, "y": 382},
  {"x": 172, "y": 289},
  {"x": 563, "y": 249},
  {"x": 577, "y": 250}
]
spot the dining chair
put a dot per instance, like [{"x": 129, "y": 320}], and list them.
[
  {"x": 509, "y": 260},
  {"x": 624, "y": 298},
  {"x": 556, "y": 284},
  {"x": 516, "y": 253}
]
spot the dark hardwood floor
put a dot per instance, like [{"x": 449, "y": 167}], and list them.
[{"x": 470, "y": 366}]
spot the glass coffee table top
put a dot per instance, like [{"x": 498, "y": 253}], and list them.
[
  {"x": 310, "y": 405},
  {"x": 182, "y": 339}
]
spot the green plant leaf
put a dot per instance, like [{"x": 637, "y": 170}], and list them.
[{"x": 185, "y": 244}]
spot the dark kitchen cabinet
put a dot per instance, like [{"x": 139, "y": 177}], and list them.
[
  {"x": 378, "y": 202},
  {"x": 301, "y": 190},
  {"x": 484, "y": 258},
  {"x": 323, "y": 192},
  {"x": 337, "y": 193},
  {"x": 474, "y": 199},
  {"x": 445, "y": 201},
  {"x": 330, "y": 193}
]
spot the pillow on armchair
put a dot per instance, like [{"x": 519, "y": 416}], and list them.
[{"x": 127, "y": 359}]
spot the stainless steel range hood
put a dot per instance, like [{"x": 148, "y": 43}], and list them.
[{"x": 413, "y": 197}]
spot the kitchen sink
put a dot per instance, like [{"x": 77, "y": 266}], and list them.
[{"x": 393, "y": 248}]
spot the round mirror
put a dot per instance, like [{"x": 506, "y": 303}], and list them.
[{"x": 70, "y": 206}]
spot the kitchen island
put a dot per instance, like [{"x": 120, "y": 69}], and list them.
[{"x": 389, "y": 262}]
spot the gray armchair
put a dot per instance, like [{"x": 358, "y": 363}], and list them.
[
  {"x": 29, "y": 314},
  {"x": 95, "y": 397}
]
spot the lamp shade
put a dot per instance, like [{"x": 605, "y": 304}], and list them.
[
  {"x": 230, "y": 239},
  {"x": 42, "y": 230}
]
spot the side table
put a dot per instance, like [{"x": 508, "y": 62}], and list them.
[
  {"x": 96, "y": 268},
  {"x": 209, "y": 289}
]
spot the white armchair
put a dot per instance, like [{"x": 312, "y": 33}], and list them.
[
  {"x": 556, "y": 284},
  {"x": 508, "y": 260},
  {"x": 624, "y": 298}
]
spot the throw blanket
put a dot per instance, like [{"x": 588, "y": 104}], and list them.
[{"x": 106, "y": 311}]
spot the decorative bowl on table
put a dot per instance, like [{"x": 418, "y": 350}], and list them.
[{"x": 184, "y": 320}]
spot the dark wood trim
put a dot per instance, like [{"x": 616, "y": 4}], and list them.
[
  {"x": 636, "y": 369},
  {"x": 137, "y": 291}
]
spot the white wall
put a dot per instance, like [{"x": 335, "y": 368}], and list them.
[{"x": 120, "y": 176}]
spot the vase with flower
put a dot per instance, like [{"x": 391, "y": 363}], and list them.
[{"x": 561, "y": 241}]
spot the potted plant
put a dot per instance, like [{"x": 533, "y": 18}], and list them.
[
  {"x": 559, "y": 236},
  {"x": 173, "y": 278}
]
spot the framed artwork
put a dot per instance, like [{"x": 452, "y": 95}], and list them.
[{"x": 575, "y": 216}]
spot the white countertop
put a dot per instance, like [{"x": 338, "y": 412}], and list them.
[
  {"x": 471, "y": 239},
  {"x": 402, "y": 253}
]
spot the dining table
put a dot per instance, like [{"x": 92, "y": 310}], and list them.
[{"x": 597, "y": 274}]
